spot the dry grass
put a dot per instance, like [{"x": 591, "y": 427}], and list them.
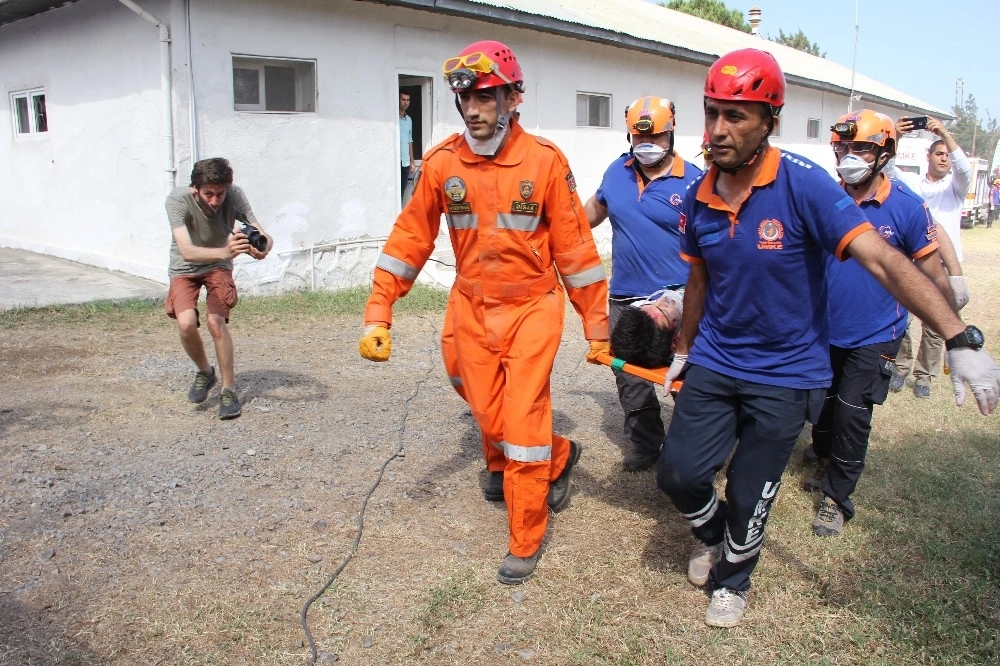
[{"x": 215, "y": 569}]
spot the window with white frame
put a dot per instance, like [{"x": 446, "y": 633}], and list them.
[
  {"x": 28, "y": 112},
  {"x": 274, "y": 84},
  {"x": 593, "y": 110},
  {"x": 812, "y": 128}
]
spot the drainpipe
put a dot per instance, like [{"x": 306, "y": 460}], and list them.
[{"x": 166, "y": 91}]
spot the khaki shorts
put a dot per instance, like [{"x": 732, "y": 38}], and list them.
[{"x": 220, "y": 293}]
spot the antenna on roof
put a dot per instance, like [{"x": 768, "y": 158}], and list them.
[
  {"x": 854, "y": 63},
  {"x": 753, "y": 18}
]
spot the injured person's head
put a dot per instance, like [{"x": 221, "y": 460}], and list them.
[{"x": 644, "y": 333}]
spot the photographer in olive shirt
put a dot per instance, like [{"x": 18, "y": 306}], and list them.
[{"x": 205, "y": 239}]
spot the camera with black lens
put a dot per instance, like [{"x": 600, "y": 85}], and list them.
[{"x": 257, "y": 240}]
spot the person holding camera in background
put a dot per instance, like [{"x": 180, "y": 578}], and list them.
[
  {"x": 203, "y": 244},
  {"x": 943, "y": 188}
]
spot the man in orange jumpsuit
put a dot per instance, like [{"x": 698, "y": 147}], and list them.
[{"x": 514, "y": 218}]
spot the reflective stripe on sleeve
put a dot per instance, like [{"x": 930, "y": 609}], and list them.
[
  {"x": 397, "y": 267},
  {"x": 527, "y": 454},
  {"x": 462, "y": 221},
  {"x": 518, "y": 222},
  {"x": 583, "y": 278}
]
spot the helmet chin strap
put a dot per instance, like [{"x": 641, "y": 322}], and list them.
[
  {"x": 731, "y": 171},
  {"x": 488, "y": 147}
]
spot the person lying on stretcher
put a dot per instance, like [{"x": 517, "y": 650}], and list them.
[{"x": 644, "y": 333}]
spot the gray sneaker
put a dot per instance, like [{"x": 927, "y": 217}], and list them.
[
  {"x": 897, "y": 382},
  {"x": 229, "y": 404},
  {"x": 922, "y": 390},
  {"x": 203, "y": 381},
  {"x": 816, "y": 480},
  {"x": 726, "y": 609},
  {"x": 829, "y": 520},
  {"x": 701, "y": 561},
  {"x": 515, "y": 570}
]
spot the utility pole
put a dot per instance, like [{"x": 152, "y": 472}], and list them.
[{"x": 854, "y": 63}]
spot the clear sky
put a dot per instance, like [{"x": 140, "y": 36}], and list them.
[{"x": 919, "y": 47}]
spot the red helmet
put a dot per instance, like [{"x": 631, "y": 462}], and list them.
[
  {"x": 747, "y": 75},
  {"x": 483, "y": 64}
]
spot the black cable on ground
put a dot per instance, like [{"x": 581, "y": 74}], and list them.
[{"x": 398, "y": 453}]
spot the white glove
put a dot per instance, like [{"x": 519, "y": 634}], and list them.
[
  {"x": 674, "y": 371},
  {"x": 960, "y": 290},
  {"x": 977, "y": 369}
]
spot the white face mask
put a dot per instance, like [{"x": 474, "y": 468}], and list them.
[
  {"x": 649, "y": 153},
  {"x": 853, "y": 169}
]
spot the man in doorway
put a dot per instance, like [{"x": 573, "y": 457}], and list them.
[
  {"x": 406, "y": 161},
  {"x": 202, "y": 247},
  {"x": 641, "y": 193},
  {"x": 943, "y": 188},
  {"x": 516, "y": 226}
]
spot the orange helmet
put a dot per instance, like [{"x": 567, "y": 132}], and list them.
[
  {"x": 747, "y": 75},
  {"x": 649, "y": 115},
  {"x": 865, "y": 126},
  {"x": 483, "y": 64}
]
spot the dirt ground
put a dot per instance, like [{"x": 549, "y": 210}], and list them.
[{"x": 136, "y": 527}]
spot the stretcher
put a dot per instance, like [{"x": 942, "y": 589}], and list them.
[{"x": 655, "y": 375}]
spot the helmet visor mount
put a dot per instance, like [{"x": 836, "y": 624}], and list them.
[{"x": 463, "y": 71}]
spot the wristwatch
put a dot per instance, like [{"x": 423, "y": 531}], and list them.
[{"x": 971, "y": 337}]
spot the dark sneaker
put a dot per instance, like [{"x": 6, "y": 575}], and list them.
[
  {"x": 515, "y": 570},
  {"x": 922, "y": 390},
  {"x": 726, "y": 609},
  {"x": 229, "y": 405},
  {"x": 639, "y": 459},
  {"x": 701, "y": 561},
  {"x": 829, "y": 520},
  {"x": 493, "y": 490},
  {"x": 809, "y": 456},
  {"x": 559, "y": 489},
  {"x": 203, "y": 381},
  {"x": 897, "y": 382},
  {"x": 816, "y": 480}
]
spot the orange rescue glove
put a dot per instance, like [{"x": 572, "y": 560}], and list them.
[
  {"x": 598, "y": 347},
  {"x": 376, "y": 343}
]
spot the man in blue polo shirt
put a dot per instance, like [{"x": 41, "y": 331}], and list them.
[
  {"x": 868, "y": 321},
  {"x": 641, "y": 193},
  {"x": 754, "y": 342}
]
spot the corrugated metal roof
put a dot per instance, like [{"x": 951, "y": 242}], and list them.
[
  {"x": 645, "y": 26},
  {"x": 12, "y": 10}
]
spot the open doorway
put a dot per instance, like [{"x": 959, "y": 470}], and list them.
[{"x": 419, "y": 88}]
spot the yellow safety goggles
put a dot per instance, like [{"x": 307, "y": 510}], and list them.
[{"x": 462, "y": 71}]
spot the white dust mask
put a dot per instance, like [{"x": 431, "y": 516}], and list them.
[
  {"x": 649, "y": 154},
  {"x": 853, "y": 169}
]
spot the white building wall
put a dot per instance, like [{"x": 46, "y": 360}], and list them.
[
  {"x": 92, "y": 189},
  {"x": 87, "y": 190}
]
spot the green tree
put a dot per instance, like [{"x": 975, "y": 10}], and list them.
[
  {"x": 716, "y": 11},
  {"x": 798, "y": 41},
  {"x": 711, "y": 10},
  {"x": 976, "y": 138}
]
